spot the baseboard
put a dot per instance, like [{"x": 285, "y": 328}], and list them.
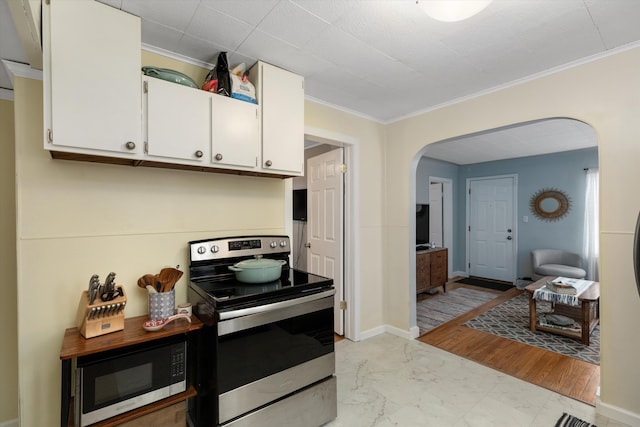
[
  {"x": 460, "y": 273},
  {"x": 372, "y": 332},
  {"x": 10, "y": 423},
  {"x": 414, "y": 332},
  {"x": 618, "y": 414},
  {"x": 389, "y": 330}
]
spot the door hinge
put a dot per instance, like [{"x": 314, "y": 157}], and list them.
[
  {"x": 342, "y": 168},
  {"x": 343, "y": 305},
  {"x": 145, "y": 86},
  {"x": 146, "y": 147},
  {"x": 50, "y": 136},
  {"x": 469, "y": 191}
]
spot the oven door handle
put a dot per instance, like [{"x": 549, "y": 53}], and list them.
[{"x": 226, "y": 315}]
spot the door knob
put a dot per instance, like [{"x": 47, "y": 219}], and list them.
[
  {"x": 509, "y": 238},
  {"x": 508, "y": 230}
]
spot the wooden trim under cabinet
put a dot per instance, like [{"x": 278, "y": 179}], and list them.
[{"x": 92, "y": 158}]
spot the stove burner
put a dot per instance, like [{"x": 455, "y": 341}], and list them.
[{"x": 215, "y": 283}]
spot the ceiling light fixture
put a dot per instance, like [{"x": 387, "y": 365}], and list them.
[{"x": 452, "y": 10}]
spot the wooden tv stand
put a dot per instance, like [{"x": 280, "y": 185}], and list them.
[{"x": 431, "y": 269}]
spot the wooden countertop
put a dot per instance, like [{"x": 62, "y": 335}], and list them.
[
  {"x": 75, "y": 345},
  {"x": 426, "y": 251}
]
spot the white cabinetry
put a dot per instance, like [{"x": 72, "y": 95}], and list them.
[
  {"x": 91, "y": 79},
  {"x": 95, "y": 108},
  {"x": 236, "y": 133},
  {"x": 177, "y": 121},
  {"x": 280, "y": 95}
]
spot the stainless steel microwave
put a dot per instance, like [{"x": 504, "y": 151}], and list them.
[{"x": 117, "y": 381}]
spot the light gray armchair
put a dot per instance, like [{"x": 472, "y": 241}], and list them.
[{"x": 556, "y": 262}]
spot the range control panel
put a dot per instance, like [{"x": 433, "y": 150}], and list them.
[{"x": 232, "y": 247}]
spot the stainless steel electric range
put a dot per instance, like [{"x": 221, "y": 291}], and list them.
[{"x": 266, "y": 355}]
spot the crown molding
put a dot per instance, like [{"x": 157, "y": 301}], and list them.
[
  {"x": 21, "y": 70},
  {"x": 176, "y": 56},
  {"x": 545, "y": 73},
  {"x": 6, "y": 94}
]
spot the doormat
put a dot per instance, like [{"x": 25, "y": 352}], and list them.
[
  {"x": 567, "y": 420},
  {"x": 511, "y": 320},
  {"x": 486, "y": 283},
  {"x": 436, "y": 310}
]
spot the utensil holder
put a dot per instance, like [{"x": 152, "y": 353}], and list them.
[{"x": 162, "y": 305}]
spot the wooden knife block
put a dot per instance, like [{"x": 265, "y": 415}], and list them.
[{"x": 103, "y": 323}]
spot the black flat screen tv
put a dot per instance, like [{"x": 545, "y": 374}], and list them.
[
  {"x": 422, "y": 224},
  {"x": 300, "y": 205}
]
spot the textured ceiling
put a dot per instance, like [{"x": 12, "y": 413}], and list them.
[{"x": 382, "y": 59}]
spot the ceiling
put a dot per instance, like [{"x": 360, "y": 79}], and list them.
[{"x": 381, "y": 59}]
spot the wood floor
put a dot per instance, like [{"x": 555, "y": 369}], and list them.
[{"x": 565, "y": 375}]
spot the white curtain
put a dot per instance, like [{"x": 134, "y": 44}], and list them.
[{"x": 591, "y": 221}]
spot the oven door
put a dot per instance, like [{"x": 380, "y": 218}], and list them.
[{"x": 268, "y": 352}]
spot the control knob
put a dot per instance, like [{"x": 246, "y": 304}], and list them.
[
  {"x": 202, "y": 250},
  {"x": 215, "y": 249},
  {"x": 283, "y": 243},
  {"x": 273, "y": 245}
]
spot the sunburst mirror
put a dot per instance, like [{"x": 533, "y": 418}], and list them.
[{"x": 550, "y": 204}]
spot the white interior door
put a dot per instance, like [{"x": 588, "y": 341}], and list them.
[
  {"x": 325, "y": 200},
  {"x": 435, "y": 214},
  {"x": 491, "y": 222}
]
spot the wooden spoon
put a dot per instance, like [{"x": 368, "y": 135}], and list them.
[
  {"x": 146, "y": 280},
  {"x": 168, "y": 277}
]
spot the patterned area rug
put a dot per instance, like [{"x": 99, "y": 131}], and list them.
[
  {"x": 567, "y": 420},
  {"x": 511, "y": 320},
  {"x": 434, "y": 311}
]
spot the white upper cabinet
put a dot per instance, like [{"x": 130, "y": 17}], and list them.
[
  {"x": 91, "y": 78},
  {"x": 99, "y": 107},
  {"x": 236, "y": 133},
  {"x": 177, "y": 121},
  {"x": 281, "y": 98}
]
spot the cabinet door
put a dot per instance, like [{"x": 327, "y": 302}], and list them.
[
  {"x": 439, "y": 268},
  {"x": 91, "y": 73},
  {"x": 236, "y": 133},
  {"x": 281, "y": 94},
  {"x": 423, "y": 272},
  {"x": 178, "y": 121}
]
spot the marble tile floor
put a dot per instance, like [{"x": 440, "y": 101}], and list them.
[{"x": 390, "y": 381}]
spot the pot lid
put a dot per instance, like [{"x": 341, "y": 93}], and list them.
[{"x": 258, "y": 262}]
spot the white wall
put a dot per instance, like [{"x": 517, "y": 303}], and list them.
[{"x": 605, "y": 95}]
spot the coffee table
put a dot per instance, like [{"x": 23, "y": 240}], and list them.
[{"x": 587, "y": 314}]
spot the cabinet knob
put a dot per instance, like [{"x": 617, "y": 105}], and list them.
[
  {"x": 268, "y": 163},
  {"x": 218, "y": 156},
  {"x": 199, "y": 154},
  {"x": 130, "y": 145}
]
